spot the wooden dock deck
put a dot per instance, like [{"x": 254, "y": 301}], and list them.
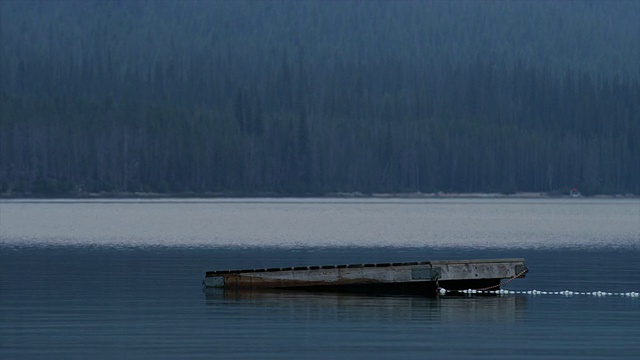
[{"x": 420, "y": 277}]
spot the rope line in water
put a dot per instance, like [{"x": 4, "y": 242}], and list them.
[
  {"x": 487, "y": 290},
  {"x": 632, "y": 294}
]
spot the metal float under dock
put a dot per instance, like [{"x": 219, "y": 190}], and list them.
[{"x": 420, "y": 277}]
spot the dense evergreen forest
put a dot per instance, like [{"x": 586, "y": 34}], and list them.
[{"x": 315, "y": 97}]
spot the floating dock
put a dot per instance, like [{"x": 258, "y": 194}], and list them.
[{"x": 420, "y": 277}]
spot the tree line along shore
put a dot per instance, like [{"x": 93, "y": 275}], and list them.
[{"x": 311, "y": 98}]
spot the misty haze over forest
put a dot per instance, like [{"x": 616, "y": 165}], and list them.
[{"x": 315, "y": 97}]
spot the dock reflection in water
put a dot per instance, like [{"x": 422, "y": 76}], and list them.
[{"x": 361, "y": 307}]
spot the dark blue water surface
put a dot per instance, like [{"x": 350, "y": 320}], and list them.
[{"x": 124, "y": 302}]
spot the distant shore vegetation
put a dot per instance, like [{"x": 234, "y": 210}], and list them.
[{"x": 314, "y": 98}]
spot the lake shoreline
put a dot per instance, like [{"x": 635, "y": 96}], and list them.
[{"x": 339, "y": 195}]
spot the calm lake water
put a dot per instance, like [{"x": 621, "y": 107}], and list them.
[{"x": 114, "y": 279}]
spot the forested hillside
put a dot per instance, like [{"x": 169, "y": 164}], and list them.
[{"x": 313, "y": 97}]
